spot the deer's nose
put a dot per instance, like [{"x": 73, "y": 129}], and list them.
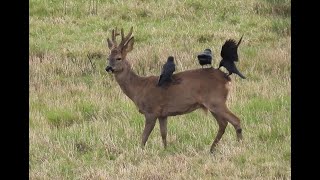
[{"x": 109, "y": 68}]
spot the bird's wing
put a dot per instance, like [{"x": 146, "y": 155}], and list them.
[
  {"x": 171, "y": 68},
  {"x": 229, "y": 50}
]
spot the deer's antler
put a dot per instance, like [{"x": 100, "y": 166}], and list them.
[
  {"x": 125, "y": 39},
  {"x": 113, "y": 43}
]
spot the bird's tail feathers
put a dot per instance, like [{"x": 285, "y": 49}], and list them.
[{"x": 241, "y": 75}]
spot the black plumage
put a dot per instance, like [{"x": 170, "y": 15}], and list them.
[
  {"x": 205, "y": 57},
  {"x": 167, "y": 70},
  {"x": 229, "y": 54}
]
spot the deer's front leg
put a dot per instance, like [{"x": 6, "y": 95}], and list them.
[{"x": 149, "y": 125}]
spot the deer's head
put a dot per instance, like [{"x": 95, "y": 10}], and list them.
[{"x": 119, "y": 52}]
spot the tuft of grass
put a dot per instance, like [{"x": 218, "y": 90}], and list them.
[
  {"x": 196, "y": 5},
  {"x": 61, "y": 117},
  {"x": 204, "y": 38},
  {"x": 274, "y": 7},
  {"x": 87, "y": 109},
  {"x": 82, "y": 147},
  {"x": 281, "y": 27}
]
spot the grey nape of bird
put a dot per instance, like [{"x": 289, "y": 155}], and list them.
[
  {"x": 167, "y": 70},
  {"x": 205, "y": 57},
  {"x": 229, "y": 54}
]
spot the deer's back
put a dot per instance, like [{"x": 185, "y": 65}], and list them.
[{"x": 200, "y": 84}]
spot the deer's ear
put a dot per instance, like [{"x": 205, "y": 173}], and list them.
[
  {"x": 129, "y": 45},
  {"x": 110, "y": 44}
]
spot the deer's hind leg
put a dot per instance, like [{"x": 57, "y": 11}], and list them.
[
  {"x": 234, "y": 120},
  {"x": 223, "y": 115},
  {"x": 222, "y": 127},
  {"x": 163, "y": 130},
  {"x": 230, "y": 117}
]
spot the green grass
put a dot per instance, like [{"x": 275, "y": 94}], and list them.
[
  {"x": 82, "y": 126},
  {"x": 61, "y": 117}
]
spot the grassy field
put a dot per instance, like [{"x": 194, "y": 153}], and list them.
[{"x": 83, "y": 127}]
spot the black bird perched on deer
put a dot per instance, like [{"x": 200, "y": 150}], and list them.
[
  {"x": 205, "y": 57},
  {"x": 167, "y": 70},
  {"x": 229, "y": 54}
]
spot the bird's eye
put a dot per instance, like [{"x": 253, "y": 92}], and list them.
[{"x": 118, "y": 59}]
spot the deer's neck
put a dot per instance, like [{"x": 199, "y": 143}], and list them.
[{"x": 129, "y": 81}]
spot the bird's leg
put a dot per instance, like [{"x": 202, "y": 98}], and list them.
[
  {"x": 225, "y": 75},
  {"x": 229, "y": 73}
]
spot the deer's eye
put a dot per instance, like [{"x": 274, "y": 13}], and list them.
[{"x": 118, "y": 59}]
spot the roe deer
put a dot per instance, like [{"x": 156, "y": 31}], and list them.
[{"x": 192, "y": 89}]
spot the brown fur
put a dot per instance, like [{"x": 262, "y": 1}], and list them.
[{"x": 192, "y": 89}]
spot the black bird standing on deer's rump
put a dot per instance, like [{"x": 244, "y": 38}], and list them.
[
  {"x": 167, "y": 70},
  {"x": 229, "y": 54}
]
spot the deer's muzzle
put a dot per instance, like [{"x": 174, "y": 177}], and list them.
[{"x": 109, "y": 68}]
